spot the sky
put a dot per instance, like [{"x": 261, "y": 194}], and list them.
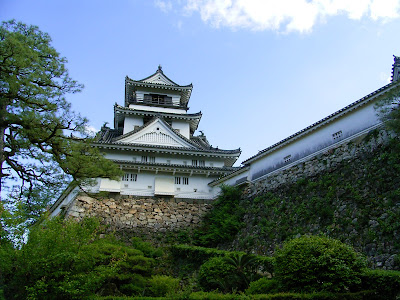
[{"x": 261, "y": 70}]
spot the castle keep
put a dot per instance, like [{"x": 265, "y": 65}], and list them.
[{"x": 154, "y": 143}]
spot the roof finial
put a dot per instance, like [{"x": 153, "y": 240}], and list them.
[{"x": 159, "y": 69}]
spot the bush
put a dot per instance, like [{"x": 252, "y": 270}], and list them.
[
  {"x": 223, "y": 222},
  {"x": 68, "y": 260},
  {"x": 263, "y": 286},
  {"x": 317, "y": 263},
  {"x": 215, "y": 274},
  {"x": 385, "y": 284},
  {"x": 162, "y": 285}
]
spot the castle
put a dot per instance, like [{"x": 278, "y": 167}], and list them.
[
  {"x": 171, "y": 175},
  {"x": 153, "y": 141}
]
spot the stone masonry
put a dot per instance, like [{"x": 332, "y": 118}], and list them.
[{"x": 129, "y": 213}]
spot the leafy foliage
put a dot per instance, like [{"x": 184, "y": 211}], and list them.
[
  {"x": 385, "y": 284},
  {"x": 214, "y": 274},
  {"x": 162, "y": 285},
  {"x": 317, "y": 263},
  {"x": 263, "y": 285},
  {"x": 43, "y": 143},
  {"x": 68, "y": 260},
  {"x": 223, "y": 222},
  {"x": 388, "y": 108}
]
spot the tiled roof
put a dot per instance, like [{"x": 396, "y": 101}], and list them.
[
  {"x": 329, "y": 118},
  {"x": 110, "y": 137},
  {"x": 186, "y": 167}
]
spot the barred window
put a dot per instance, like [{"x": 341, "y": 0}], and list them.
[
  {"x": 182, "y": 180},
  {"x": 129, "y": 177},
  {"x": 337, "y": 135}
]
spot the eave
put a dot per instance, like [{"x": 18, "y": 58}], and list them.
[
  {"x": 173, "y": 168},
  {"x": 120, "y": 112},
  {"x": 332, "y": 117}
]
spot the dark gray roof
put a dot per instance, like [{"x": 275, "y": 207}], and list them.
[
  {"x": 177, "y": 166},
  {"x": 346, "y": 109},
  {"x": 108, "y": 136},
  {"x": 121, "y": 111}
]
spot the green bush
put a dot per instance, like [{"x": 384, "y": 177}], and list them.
[
  {"x": 215, "y": 274},
  {"x": 263, "y": 286},
  {"x": 162, "y": 285},
  {"x": 224, "y": 221},
  {"x": 68, "y": 260},
  {"x": 385, "y": 284},
  {"x": 317, "y": 263}
]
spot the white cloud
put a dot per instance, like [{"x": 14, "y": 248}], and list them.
[
  {"x": 90, "y": 130},
  {"x": 164, "y": 6},
  {"x": 288, "y": 15}
]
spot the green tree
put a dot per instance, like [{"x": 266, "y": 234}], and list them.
[
  {"x": 43, "y": 143},
  {"x": 388, "y": 107}
]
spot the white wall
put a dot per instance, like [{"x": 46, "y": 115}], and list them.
[
  {"x": 158, "y": 109},
  {"x": 196, "y": 189},
  {"x": 183, "y": 127},
  {"x": 130, "y": 123},
  {"x": 353, "y": 122}
]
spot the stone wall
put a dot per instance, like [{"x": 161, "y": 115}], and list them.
[
  {"x": 142, "y": 215},
  {"x": 325, "y": 161}
]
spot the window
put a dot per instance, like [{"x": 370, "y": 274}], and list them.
[
  {"x": 202, "y": 163},
  {"x": 194, "y": 162},
  {"x": 150, "y": 159},
  {"x": 129, "y": 177},
  {"x": 337, "y": 135},
  {"x": 287, "y": 159},
  {"x": 157, "y": 99},
  {"x": 182, "y": 180}
]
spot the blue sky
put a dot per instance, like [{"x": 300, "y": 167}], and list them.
[{"x": 261, "y": 70}]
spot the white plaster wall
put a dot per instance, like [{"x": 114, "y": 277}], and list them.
[
  {"x": 158, "y": 109},
  {"x": 233, "y": 180},
  {"x": 183, "y": 127},
  {"x": 196, "y": 189},
  {"x": 350, "y": 124},
  {"x": 174, "y": 159},
  {"x": 130, "y": 123},
  {"x": 144, "y": 186}
]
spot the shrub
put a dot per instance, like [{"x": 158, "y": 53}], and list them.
[
  {"x": 385, "y": 284},
  {"x": 215, "y": 274},
  {"x": 67, "y": 259},
  {"x": 223, "y": 222},
  {"x": 317, "y": 263},
  {"x": 162, "y": 285},
  {"x": 263, "y": 286}
]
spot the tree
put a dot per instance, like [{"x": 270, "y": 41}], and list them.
[
  {"x": 388, "y": 108},
  {"x": 43, "y": 143}
]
